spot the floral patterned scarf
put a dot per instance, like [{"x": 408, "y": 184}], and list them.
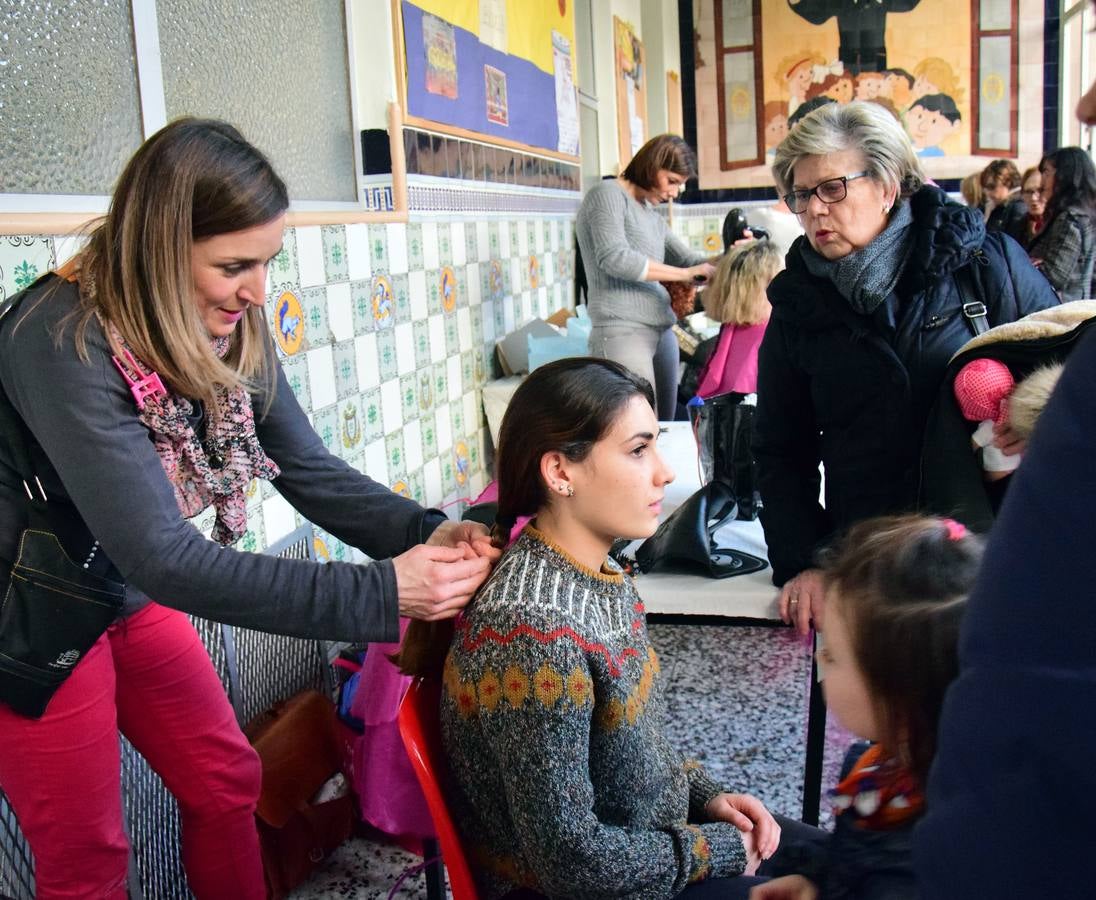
[
  {"x": 215, "y": 471},
  {"x": 879, "y": 792}
]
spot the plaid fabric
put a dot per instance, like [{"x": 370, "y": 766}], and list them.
[{"x": 1067, "y": 248}]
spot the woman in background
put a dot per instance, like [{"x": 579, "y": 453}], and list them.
[
  {"x": 627, "y": 249},
  {"x": 1065, "y": 249},
  {"x": 1031, "y": 192}
]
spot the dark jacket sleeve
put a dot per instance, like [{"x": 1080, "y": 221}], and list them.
[
  {"x": 1019, "y": 723},
  {"x": 83, "y": 417},
  {"x": 1060, "y": 246},
  {"x": 1030, "y": 289},
  {"x": 785, "y": 445}
]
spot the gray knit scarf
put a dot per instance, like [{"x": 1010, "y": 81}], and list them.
[{"x": 867, "y": 276}]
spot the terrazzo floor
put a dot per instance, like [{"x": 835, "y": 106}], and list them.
[{"x": 736, "y": 700}]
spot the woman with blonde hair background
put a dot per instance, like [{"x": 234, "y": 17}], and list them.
[
  {"x": 148, "y": 389},
  {"x": 865, "y": 318}
]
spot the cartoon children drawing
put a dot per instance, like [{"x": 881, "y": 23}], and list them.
[
  {"x": 934, "y": 75},
  {"x": 930, "y": 120},
  {"x": 776, "y": 124}
]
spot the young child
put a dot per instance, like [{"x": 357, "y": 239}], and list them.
[
  {"x": 736, "y": 297},
  {"x": 896, "y": 590},
  {"x": 930, "y": 120}
]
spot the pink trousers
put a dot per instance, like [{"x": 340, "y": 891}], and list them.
[{"x": 150, "y": 678}]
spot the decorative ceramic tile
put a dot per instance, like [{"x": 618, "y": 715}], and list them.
[
  {"x": 418, "y": 490},
  {"x": 441, "y": 388},
  {"x": 422, "y": 343},
  {"x": 340, "y": 311},
  {"x": 284, "y": 274},
  {"x": 429, "y": 435},
  {"x": 494, "y": 241},
  {"x": 386, "y": 355},
  {"x": 326, "y": 423},
  {"x": 310, "y": 256},
  {"x": 361, "y": 305},
  {"x": 424, "y": 388},
  {"x": 378, "y": 243},
  {"x": 22, "y": 260},
  {"x": 433, "y": 291},
  {"x": 448, "y": 476},
  {"x": 372, "y": 415},
  {"x": 314, "y": 307},
  {"x": 468, "y": 373},
  {"x": 254, "y": 539},
  {"x": 334, "y": 252},
  {"x": 449, "y": 289},
  {"x": 478, "y": 368},
  {"x": 409, "y": 397},
  {"x": 445, "y": 245},
  {"x": 414, "y": 247},
  {"x": 383, "y": 302},
  {"x": 487, "y": 321},
  {"x": 359, "y": 264},
  {"x": 296, "y": 373},
  {"x": 471, "y": 242},
  {"x": 452, "y": 339},
  {"x": 393, "y": 446},
  {"x": 397, "y": 248},
  {"x": 351, "y": 428},
  {"x": 514, "y": 247},
  {"x": 402, "y": 294},
  {"x": 346, "y": 370}
]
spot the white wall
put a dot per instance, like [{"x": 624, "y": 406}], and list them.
[{"x": 373, "y": 67}]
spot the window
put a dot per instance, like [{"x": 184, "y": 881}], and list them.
[
  {"x": 738, "y": 83},
  {"x": 994, "y": 66}
]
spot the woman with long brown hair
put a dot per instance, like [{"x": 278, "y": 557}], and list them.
[{"x": 148, "y": 389}]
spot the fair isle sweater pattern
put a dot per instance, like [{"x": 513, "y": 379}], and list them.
[{"x": 552, "y": 713}]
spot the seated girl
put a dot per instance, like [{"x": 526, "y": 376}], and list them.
[
  {"x": 736, "y": 297},
  {"x": 563, "y": 781},
  {"x": 896, "y": 589}
]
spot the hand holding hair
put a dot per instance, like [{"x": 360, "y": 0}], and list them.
[{"x": 435, "y": 582}]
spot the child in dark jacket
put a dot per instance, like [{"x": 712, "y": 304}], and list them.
[{"x": 895, "y": 592}]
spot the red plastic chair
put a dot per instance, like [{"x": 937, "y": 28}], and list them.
[{"x": 421, "y": 733}]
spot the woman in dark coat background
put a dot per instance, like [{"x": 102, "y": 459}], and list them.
[
  {"x": 865, "y": 318},
  {"x": 1065, "y": 249}
]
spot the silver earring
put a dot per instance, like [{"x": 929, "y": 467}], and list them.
[{"x": 567, "y": 489}]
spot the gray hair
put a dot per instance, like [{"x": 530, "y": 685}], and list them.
[{"x": 889, "y": 156}]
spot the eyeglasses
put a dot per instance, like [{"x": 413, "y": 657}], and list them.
[
  {"x": 833, "y": 190},
  {"x": 1031, "y": 192}
]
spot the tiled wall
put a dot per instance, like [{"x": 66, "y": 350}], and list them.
[{"x": 387, "y": 335}]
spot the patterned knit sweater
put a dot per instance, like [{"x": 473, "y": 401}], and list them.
[{"x": 551, "y": 715}]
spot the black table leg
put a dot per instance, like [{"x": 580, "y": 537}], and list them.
[
  {"x": 816, "y": 743},
  {"x": 435, "y": 871}
]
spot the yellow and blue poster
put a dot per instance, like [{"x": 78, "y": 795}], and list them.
[{"x": 493, "y": 67}]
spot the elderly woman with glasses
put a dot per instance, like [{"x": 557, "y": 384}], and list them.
[{"x": 889, "y": 280}]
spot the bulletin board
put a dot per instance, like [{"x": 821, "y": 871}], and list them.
[
  {"x": 631, "y": 90},
  {"x": 495, "y": 70}
]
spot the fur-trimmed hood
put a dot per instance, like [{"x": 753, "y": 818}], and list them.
[{"x": 1052, "y": 322}]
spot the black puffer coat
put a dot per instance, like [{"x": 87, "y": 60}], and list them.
[{"x": 853, "y": 391}]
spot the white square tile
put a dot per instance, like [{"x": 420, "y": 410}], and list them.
[
  {"x": 527, "y": 310},
  {"x": 397, "y": 248},
  {"x": 548, "y": 269},
  {"x": 507, "y": 319},
  {"x": 405, "y": 349},
  {"x": 340, "y": 312},
  {"x": 483, "y": 240},
  {"x": 416, "y": 288},
  {"x": 412, "y": 445},
  {"x": 321, "y": 376},
  {"x": 553, "y": 234},
  {"x": 444, "y": 428},
  {"x": 476, "y": 483},
  {"x": 523, "y": 241},
  {"x": 472, "y": 412},
  {"x": 278, "y": 518},
  {"x": 391, "y": 406},
  {"x": 365, "y": 355},
  {"x": 67, "y": 246},
  {"x": 376, "y": 461},
  {"x": 431, "y": 481},
  {"x": 539, "y": 231},
  {"x": 504, "y": 240},
  {"x": 472, "y": 286},
  {"x": 359, "y": 264},
  {"x": 430, "y": 245},
  {"x": 517, "y": 270},
  {"x": 542, "y": 302},
  {"x": 437, "y": 339},
  {"x": 489, "y": 321},
  {"x": 464, "y": 328},
  {"x": 310, "y": 266},
  {"x": 460, "y": 249},
  {"x": 452, "y": 374}
]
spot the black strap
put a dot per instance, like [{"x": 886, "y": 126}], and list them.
[
  {"x": 15, "y": 430},
  {"x": 974, "y": 310}
]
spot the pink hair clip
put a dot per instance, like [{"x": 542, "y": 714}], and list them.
[
  {"x": 146, "y": 387},
  {"x": 956, "y": 530}
]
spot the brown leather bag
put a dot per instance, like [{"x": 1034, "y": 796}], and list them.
[
  {"x": 682, "y": 297},
  {"x": 300, "y": 744}
]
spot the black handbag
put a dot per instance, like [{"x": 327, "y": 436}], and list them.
[
  {"x": 686, "y": 540},
  {"x": 723, "y": 426},
  {"x": 53, "y": 609}
]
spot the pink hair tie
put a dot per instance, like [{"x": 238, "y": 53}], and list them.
[{"x": 956, "y": 530}]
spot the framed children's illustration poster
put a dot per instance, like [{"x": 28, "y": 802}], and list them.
[
  {"x": 948, "y": 72},
  {"x": 495, "y": 86}
]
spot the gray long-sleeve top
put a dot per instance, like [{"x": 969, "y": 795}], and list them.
[
  {"x": 617, "y": 236},
  {"x": 98, "y": 455}
]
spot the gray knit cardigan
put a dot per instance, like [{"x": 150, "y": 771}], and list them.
[{"x": 552, "y": 712}]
